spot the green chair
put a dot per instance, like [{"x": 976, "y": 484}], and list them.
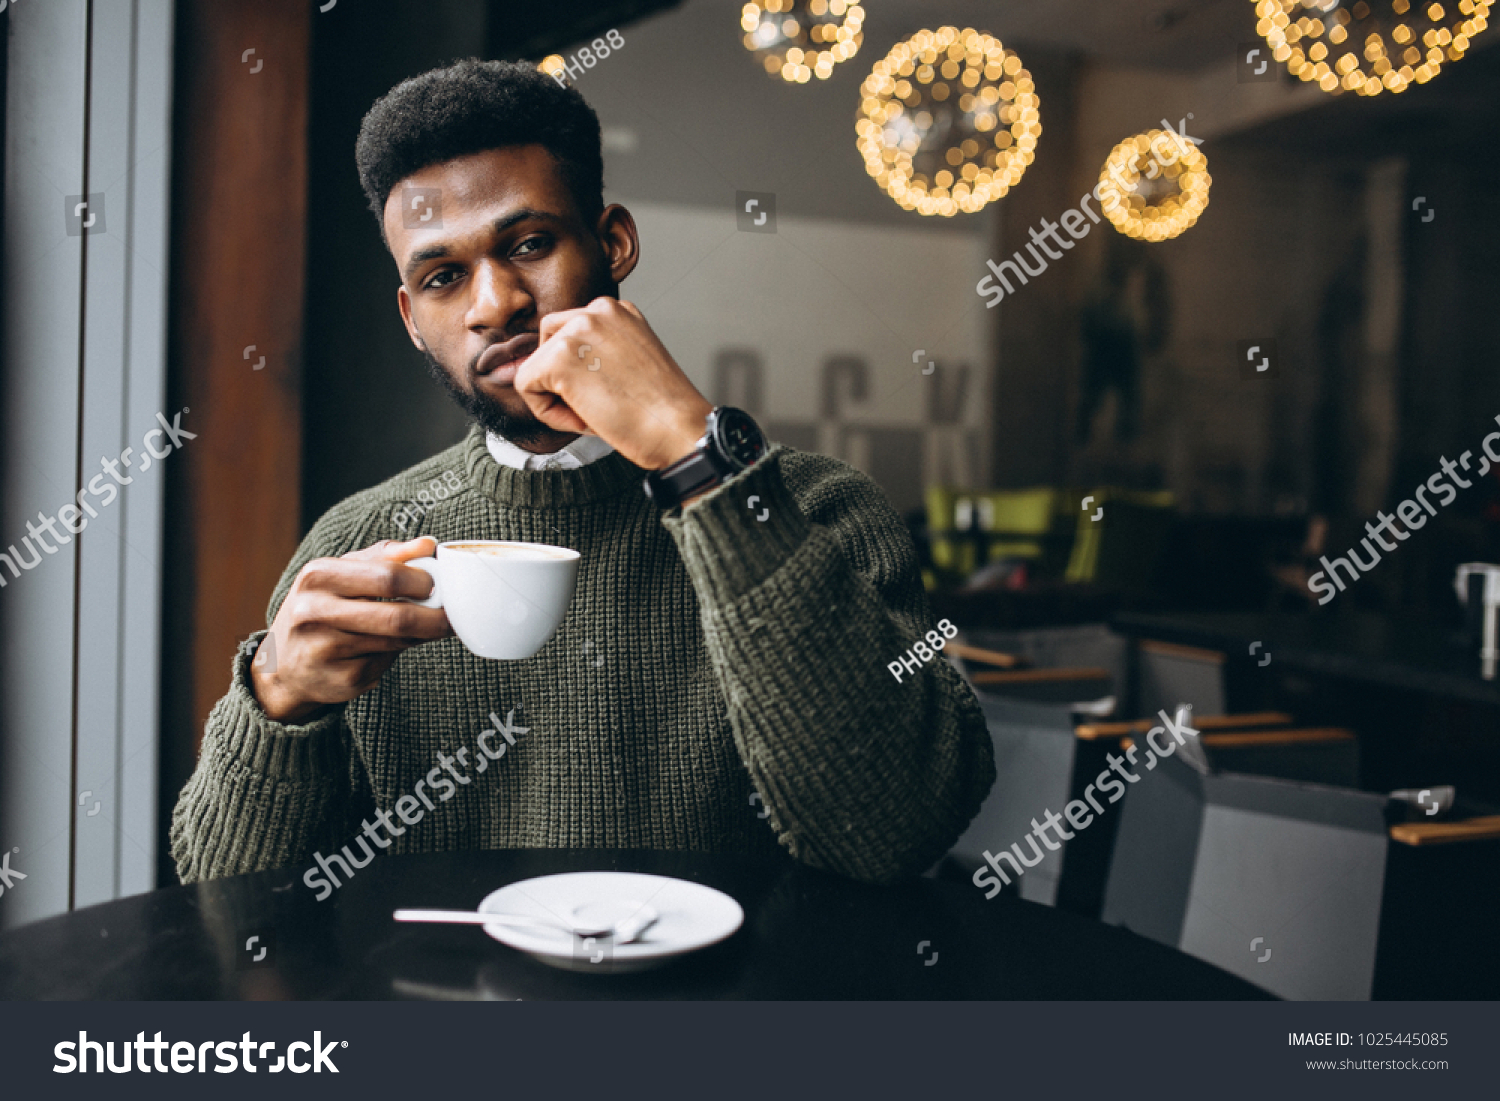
[
  {"x": 950, "y": 532},
  {"x": 1004, "y": 514},
  {"x": 968, "y": 528},
  {"x": 1119, "y": 550}
]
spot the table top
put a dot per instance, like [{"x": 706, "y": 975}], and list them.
[
  {"x": 807, "y": 935},
  {"x": 1393, "y": 651}
]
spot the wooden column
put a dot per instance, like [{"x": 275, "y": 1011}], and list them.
[{"x": 238, "y": 242}]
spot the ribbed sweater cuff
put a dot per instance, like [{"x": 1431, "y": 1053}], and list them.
[
  {"x": 739, "y": 534},
  {"x": 268, "y": 748}
]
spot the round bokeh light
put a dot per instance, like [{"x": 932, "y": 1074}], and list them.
[
  {"x": 948, "y": 121},
  {"x": 800, "y": 39},
  {"x": 1368, "y": 46},
  {"x": 1160, "y": 185}
]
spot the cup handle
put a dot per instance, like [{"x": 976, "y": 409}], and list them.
[{"x": 429, "y": 567}]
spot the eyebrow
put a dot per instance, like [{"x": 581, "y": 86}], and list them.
[{"x": 439, "y": 250}]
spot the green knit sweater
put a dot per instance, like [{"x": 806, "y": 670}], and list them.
[{"x": 707, "y": 655}]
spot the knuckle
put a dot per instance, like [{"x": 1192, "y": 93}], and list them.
[
  {"x": 315, "y": 573},
  {"x": 304, "y": 607},
  {"x": 398, "y": 619},
  {"x": 387, "y": 583},
  {"x": 350, "y": 677}
]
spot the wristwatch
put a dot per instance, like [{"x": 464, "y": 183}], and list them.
[{"x": 731, "y": 442}]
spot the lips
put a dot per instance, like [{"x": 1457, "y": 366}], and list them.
[{"x": 506, "y": 355}]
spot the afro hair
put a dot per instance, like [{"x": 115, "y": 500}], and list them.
[{"x": 472, "y": 106}]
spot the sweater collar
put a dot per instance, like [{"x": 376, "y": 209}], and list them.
[{"x": 602, "y": 479}]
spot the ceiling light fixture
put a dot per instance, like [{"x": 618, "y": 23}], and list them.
[
  {"x": 1369, "y": 46},
  {"x": 1159, "y": 182},
  {"x": 948, "y": 121},
  {"x": 801, "y": 39}
]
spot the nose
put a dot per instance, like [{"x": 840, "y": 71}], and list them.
[{"x": 498, "y": 296}]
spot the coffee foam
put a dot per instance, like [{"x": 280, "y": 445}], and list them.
[{"x": 491, "y": 550}]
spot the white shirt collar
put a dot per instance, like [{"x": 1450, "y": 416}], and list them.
[{"x": 579, "y": 453}]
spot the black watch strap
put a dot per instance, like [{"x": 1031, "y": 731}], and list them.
[
  {"x": 672, "y": 485},
  {"x": 731, "y": 442}
]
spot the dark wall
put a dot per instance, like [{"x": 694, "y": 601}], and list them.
[
  {"x": 1451, "y": 351},
  {"x": 1450, "y": 383},
  {"x": 1037, "y": 327}
]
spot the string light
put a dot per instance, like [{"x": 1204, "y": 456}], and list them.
[
  {"x": 1157, "y": 200},
  {"x": 801, "y": 39},
  {"x": 1369, "y": 46},
  {"x": 948, "y": 121}
]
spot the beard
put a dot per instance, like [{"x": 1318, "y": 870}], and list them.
[{"x": 484, "y": 410}]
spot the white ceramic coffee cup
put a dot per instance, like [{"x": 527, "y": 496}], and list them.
[{"x": 504, "y": 599}]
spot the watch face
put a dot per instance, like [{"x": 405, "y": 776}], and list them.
[{"x": 740, "y": 436}]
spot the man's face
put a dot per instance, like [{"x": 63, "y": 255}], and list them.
[{"x": 510, "y": 249}]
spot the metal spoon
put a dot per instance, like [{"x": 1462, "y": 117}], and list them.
[
  {"x": 471, "y": 917},
  {"x": 621, "y": 932}
]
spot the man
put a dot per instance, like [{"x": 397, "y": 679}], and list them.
[{"x": 730, "y": 633}]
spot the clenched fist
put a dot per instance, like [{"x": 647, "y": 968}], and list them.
[{"x": 601, "y": 369}]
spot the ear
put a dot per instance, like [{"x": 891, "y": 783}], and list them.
[
  {"x": 621, "y": 241},
  {"x": 403, "y": 304}
]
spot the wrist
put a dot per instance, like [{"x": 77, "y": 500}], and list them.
[
  {"x": 731, "y": 442},
  {"x": 682, "y": 440},
  {"x": 277, "y": 703}
]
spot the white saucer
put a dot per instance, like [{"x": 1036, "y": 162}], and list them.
[{"x": 692, "y": 916}]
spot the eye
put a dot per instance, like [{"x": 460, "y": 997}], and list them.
[
  {"x": 441, "y": 278},
  {"x": 535, "y": 243}
]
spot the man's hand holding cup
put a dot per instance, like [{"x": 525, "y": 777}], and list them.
[{"x": 341, "y": 626}]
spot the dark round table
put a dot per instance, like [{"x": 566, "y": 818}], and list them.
[{"x": 807, "y": 935}]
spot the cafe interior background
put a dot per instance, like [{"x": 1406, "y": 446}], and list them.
[{"x": 1119, "y": 479}]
